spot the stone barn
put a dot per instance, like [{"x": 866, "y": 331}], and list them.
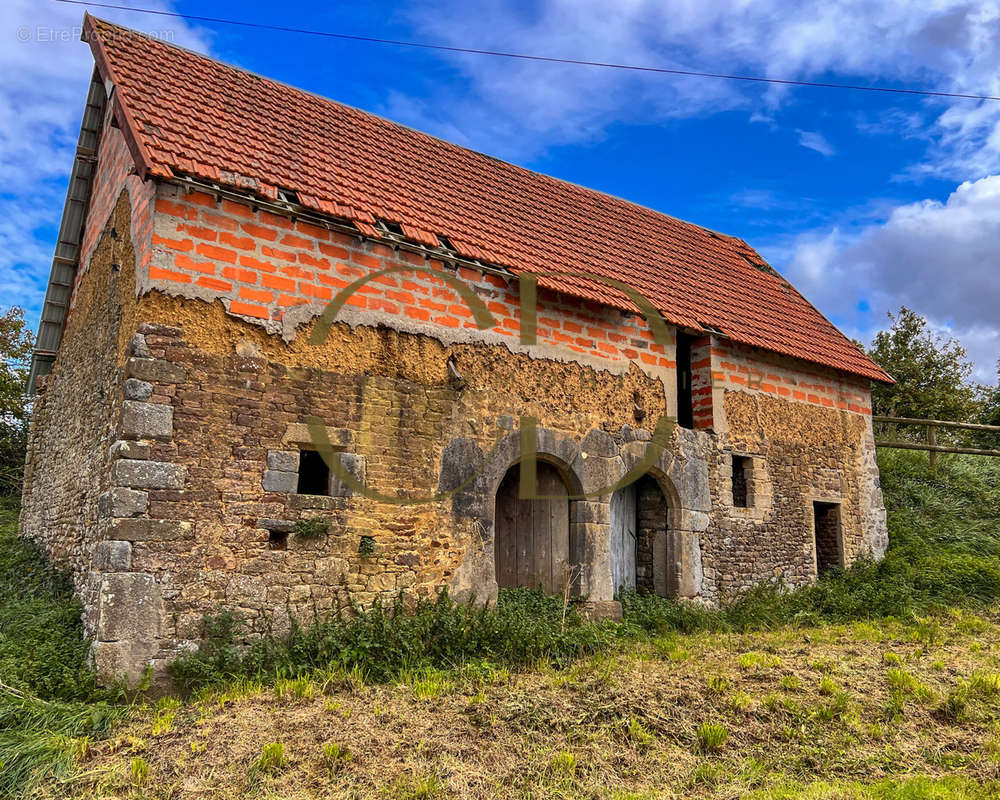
[{"x": 292, "y": 351}]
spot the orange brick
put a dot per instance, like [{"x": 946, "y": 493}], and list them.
[
  {"x": 379, "y": 304},
  {"x": 256, "y": 263},
  {"x": 314, "y": 231},
  {"x": 291, "y": 300},
  {"x": 220, "y": 221},
  {"x": 448, "y": 322},
  {"x": 218, "y": 253},
  {"x": 333, "y": 251},
  {"x": 214, "y": 283},
  {"x": 184, "y": 262},
  {"x": 259, "y": 231},
  {"x": 200, "y": 232},
  {"x": 183, "y": 245},
  {"x": 239, "y": 242},
  {"x": 256, "y": 295},
  {"x": 418, "y": 313},
  {"x": 201, "y": 199},
  {"x": 237, "y": 274},
  {"x": 366, "y": 261},
  {"x": 276, "y": 220},
  {"x": 273, "y": 252},
  {"x": 322, "y": 292},
  {"x": 236, "y": 209},
  {"x": 312, "y": 261},
  {"x": 301, "y": 242},
  {"x": 331, "y": 280},
  {"x": 275, "y": 282},
  {"x": 248, "y": 309},
  {"x": 297, "y": 272},
  {"x": 158, "y": 274},
  {"x": 165, "y": 206}
]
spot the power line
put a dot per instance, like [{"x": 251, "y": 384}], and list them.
[{"x": 529, "y": 57}]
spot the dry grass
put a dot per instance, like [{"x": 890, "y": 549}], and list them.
[{"x": 817, "y": 707}]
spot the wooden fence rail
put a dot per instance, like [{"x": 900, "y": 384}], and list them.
[{"x": 931, "y": 445}]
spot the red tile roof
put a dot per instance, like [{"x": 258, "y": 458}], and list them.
[{"x": 188, "y": 114}]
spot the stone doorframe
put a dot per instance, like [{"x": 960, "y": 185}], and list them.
[{"x": 594, "y": 463}]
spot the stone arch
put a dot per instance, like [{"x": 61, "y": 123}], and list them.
[
  {"x": 682, "y": 478},
  {"x": 475, "y": 502},
  {"x": 643, "y": 517}
]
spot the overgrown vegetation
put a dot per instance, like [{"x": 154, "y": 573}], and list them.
[
  {"x": 49, "y": 703},
  {"x": 384, "y": 642}
]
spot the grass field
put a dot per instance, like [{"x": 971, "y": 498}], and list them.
[{"x": 883, "y": 682}]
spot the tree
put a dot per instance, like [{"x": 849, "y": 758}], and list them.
[
  {"x": 15, "y": 352},
  {"x": 932, "y": 373}
]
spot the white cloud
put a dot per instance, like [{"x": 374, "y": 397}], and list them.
[
  {"x": 814, "y": 140},
  {"x": 46, "y": 71},
  {"x": 518, "y": 108},
  {"x": 940, "y": 258}
]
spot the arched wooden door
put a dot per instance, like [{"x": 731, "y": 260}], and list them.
[{"x": 532, "y": 536}]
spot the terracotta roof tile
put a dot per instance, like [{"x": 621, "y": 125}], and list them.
[{"x": 189, "y": 114}]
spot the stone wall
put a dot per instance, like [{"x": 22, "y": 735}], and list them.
[{"x": 173, "y": 492}]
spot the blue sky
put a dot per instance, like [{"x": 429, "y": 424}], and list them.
[{"x": 864, "y": 201}]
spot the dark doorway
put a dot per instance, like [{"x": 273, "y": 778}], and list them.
[
  {"x": 532, "y": 535},
  {"x": 642, "y": 549},
  {"x": 685, "y": 408},
  {"x": 826, "y": 528},
  {"x": 741, "y": 470}
]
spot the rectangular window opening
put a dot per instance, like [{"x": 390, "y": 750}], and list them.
[
  {"x": 277, "y": 540},
  {"x": 685, "y": 404},
  {"x": 826, "y": 530},
  {"x": 741, "y": 474},
  {"x": 314, "y": 474}
]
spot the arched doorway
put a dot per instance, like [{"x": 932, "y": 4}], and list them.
[
  {"x": 532, "y": 535},
  {"x": 643, "y": 553}
]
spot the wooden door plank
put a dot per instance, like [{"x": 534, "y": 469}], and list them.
[
  {"x": 558, "y": 534},
  {"x": 525, "y": 542},
  {"x": 504, "y": 533}
]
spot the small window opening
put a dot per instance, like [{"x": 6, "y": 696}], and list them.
[
  {"x": 277, "y": 540},
  {"x": 826, "y": 529},
  {"x": 685, "y": 406},
  {"x": 314, "y": 474},
  {"x": 741, "y": 473}
]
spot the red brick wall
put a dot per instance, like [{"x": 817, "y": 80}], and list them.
[
  {"x": 116, "y": 171},
  {"x": 739, "y": 368},
  {"x": 261, "y": 265}
]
